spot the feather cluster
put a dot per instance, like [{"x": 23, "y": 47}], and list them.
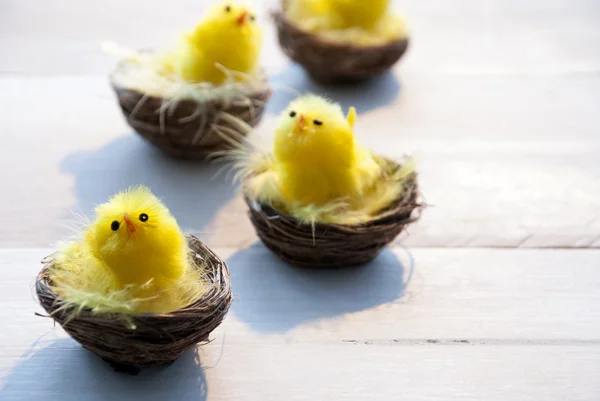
[
  {"x": 261, "y": 185},
  {"x": 367, "y": 23},
  {"x": 81, "y": 281}
]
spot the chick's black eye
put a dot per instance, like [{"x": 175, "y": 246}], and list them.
[
  {"x": 143, "y": 217},
  {"x": 292, "y": 113},
  {"x": 227, "y": 8},
  {"x": 114, "y": 225},
  {"x": 252, "y": 17},
  {"x": 318, "y": 122}
]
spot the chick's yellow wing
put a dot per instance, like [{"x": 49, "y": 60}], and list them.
[
  {"x": 367, "y": 167},
  {"x": 77, "y": 269},
  {"x": 189, "y": 62}
]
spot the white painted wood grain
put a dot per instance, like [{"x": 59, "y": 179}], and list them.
[
  {"x": 503, "y": 160},
  {"x": 465, "y": 324},
  {"x": 496, "y": 98},
  {"x": 426, "y": 293},
  {"x": 462, "y": 36},
  {"x": 63, "y": 371}
]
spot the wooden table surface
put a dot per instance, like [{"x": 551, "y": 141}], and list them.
[{"x": 499, "y": 100}]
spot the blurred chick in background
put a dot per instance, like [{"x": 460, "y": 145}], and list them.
[
  {"x": 227, "y": 36},
  {"x": 339, "y": 14},
  {"x": 316, "y": 157},
  {"x": 133, "y": 251}
]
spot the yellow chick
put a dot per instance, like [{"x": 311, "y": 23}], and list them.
[
  {"x": 137, "y": 239},
  {"x": 227, "y": 36},
  {"x": 339, "y": 14},
  {"x": 316, "y": 157}
]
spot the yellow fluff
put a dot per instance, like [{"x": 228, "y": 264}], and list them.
[
  {"x": 355, "y": 21},
  {"x": 227, "y": 38},
  {"x": 316, "y": 156},
  {"x": 318, "y": 172},
  {"x": 132, "y": 258},
  {"x": 357, "y": 13}
]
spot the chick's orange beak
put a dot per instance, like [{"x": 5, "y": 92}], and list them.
[
  {"x": 301, "y": 123},
  {"x": 243, "y": 18},
  {"x": 129, "y": 223}
]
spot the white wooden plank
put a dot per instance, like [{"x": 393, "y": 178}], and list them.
[
  {"x": 471, "y": 36},
  {"x": 63, "y": 371},
  {"x": 63, "y": 37},
  {"x": 516, "y": 167},
  {"x": 498, "y": 101},
  {"x": 448, "y": 294},
  {"x": 480, "y": 295},
  {"x": 469, "y": 324},
  {"x": 466, "y": 36}
]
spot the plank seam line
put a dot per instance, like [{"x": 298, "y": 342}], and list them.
[{"x": 477, "y": 342}]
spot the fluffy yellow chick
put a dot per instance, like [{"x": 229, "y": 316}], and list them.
[
  {"x": 228, "y": 36},
  {"x": 339, "y": 14},
  {"x": 137, "y": 239},
  {"x": 132, "y": 258},
  {"x": 316, "y": 157}
]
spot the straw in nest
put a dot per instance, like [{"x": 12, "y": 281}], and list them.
[
  {"x": 146, "y": 339},
  {"x": 328, "y": 62},
  {"x": 194, "y": 125},
  {"x": 334, "y": 245}
]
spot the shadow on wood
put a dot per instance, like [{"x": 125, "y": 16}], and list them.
[
  {"x": 365, "y": 96},
  {"x": 188, "y": 188},
  {"x": 272, "y": 296},
  {"x": 65, "y": 371}
]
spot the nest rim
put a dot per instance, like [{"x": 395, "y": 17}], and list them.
[
  {"x": 334, "y": 245},
  {"x": 145, "y": 339},
  {"x": 187, "y": 130},
  {"x": 330, "y": 62}
]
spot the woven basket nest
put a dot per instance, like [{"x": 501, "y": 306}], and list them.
[
  {"x": 331, "y": 63},
  {"x": 187, "y": 130},
  {"x": 334, "y": 245},
  {"x": 146, "y": 339}
]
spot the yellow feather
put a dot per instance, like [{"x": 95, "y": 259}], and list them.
[
  {"x": 357, "y": 13},
  {"x": 132, "y": 258},
  {"x": 355, "y": 21}
]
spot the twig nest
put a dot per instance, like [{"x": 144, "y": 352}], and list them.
[
  {"x": 334, "y": 245},
  {"x": 195, "y": 123},
  {"x": 145, "y": 339},
  {"x": 329, "y": 62}
]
